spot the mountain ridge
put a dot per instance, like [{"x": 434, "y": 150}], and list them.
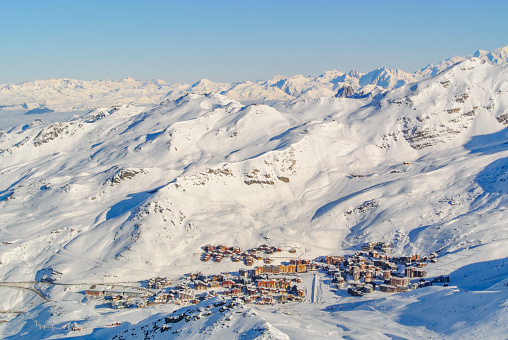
[{"x": 77, "y": 95}]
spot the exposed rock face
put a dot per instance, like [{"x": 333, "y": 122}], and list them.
[
  {"x": 50, "y": 133},
  {"x": 123, "y": 174},
  {"x": 345, "y": 92}
]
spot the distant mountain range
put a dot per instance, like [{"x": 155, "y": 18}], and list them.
[{"x": 79, "y": 95}]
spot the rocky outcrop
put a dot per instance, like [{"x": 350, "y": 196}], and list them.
[{"x": 345, "y": 92}]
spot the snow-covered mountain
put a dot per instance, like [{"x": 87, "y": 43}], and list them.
[
  {"x": 63, "y": 95},
  {"x": 125, "y": 193}
]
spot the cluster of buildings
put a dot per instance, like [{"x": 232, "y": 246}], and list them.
[
  {"x": 257, "y": 285},
  {"x": 384, "y": 247},
  {"x": 373, "y": 269},
  {"x": 294, "y": 266},
  {"x": 219, "y": 252},
  {"x": 268, "y": 284},
  {"x": 120, "y": 298},
  {"x": 158, "y": 283},
  {"x": 364, "y": 272}
]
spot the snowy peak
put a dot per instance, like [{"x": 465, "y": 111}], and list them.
[
  {"x": 386, "y": 78},
  {"x": 77, "y": 95},
  {"x": 499, "y": 56}
]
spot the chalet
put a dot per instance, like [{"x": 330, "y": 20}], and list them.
[
  {"x": 368, "y": 277},
  {"x": 251, "y": 291},
  {"x": 373, "y": 253},
  {"x": 381, "y": 263},
  {"x": 266, "y": 300},
  {"x": 94, "y": 294},
  {"x": 200, "y": 285},
  {"x": 185, "y": 295},
  {"x": 218, "y": 278},
  {"x": 333, "y": 259},
  {"x": 388, "y": 289},
  {"x": 368, "y": 288},
  {"x": 298, "y": 261},
  {"x": 227, "y": 284},
  {"x": 368, "y": 246},
  {"x": 163, "y": 297},
  {"x": 441, "y": 279},
  {"x": 354, "y": 292},
  {"x": 209, "y": 248},
  {"x": 196, "y": 276},
  {"x": 232, "y": 292},
  {"x": 399, "y": 281},
  {"x": 116, "y": 305},
  {"x": 337, "y": 277},
  {"x": 158, "y": 283},
  {"x": 284, "y": 284},
  {"x": 301, "y": 268},
  {"x": 385, "y": 247},
  {"x": 256, "y": 271},
  {"x": 267, "y": 283},
  {"x": 409, "y": 272},
  {"x": 424, "y": 283},
  {"x": 299, "y": 291},
  {"x": 419, "y": 272}
]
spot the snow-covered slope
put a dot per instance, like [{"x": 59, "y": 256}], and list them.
[{"x": 122, "y": 194}]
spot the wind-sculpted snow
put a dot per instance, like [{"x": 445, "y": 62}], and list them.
[{"x": 121, "y": 194}]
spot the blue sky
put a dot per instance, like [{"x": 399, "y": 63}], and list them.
[{"x": 226, "y": 41}]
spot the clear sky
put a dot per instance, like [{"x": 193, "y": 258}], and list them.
[{"x": 227, "y": 41}]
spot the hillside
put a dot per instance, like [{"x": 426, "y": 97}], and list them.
[{"x": 121, "y": 194}]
